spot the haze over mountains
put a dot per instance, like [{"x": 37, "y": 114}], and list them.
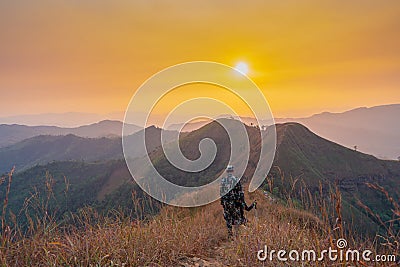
[
  {"x": 373, "y": 130},
  {"x": 11, "y": 134}
]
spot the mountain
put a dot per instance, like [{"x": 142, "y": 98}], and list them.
[
  {"x": 11, "y": 134},
  {"x": 194, "y": 125},
  {"x": 45, "y": 148},
  {"x": 300, "y": 154},
  {"x": 373, "y": 130},
  {"x": 74, "y": 185},
  {"x": 315, "y": 157},
  {"x": 69, "y": 119},
  {"x": 188, "y": 127}
]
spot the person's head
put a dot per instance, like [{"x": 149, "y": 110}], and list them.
[{"x": 229, "y": 169}]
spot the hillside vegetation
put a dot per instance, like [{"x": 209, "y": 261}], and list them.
[
  {"x": 303, "y": 156},
  {"x": 43, "y": 149},
  {"x": 307, "y": 162},
  {"x": 175, "y": 237}
]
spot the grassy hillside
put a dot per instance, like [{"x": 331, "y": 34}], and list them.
[
  {"x": 315, "y": 157},
  {"x": 306, "y": 158},
  {"x": 189, "y": 145},
  {"x": 303, "y": 155},
  {"x": 178, "y": 237},
  {"x": 62, "y": 188},
  {"x": 43, "y": 149},
  {"x": 173, "y": 238}
]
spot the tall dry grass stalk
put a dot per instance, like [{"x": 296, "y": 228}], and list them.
[
  {"x": 391, "y": 240},
  {"x": 5, "y": 228}
]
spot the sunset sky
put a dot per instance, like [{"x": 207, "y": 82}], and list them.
[{"x": 91, "y": 56}]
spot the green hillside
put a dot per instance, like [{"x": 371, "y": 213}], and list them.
[
  {"x": 301, "y": 155},
  {"x": 74, "y": 185},
  {"x": 44, "y": 149}
]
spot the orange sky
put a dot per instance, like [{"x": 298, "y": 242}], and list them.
[{"x": 90, "y": 56}]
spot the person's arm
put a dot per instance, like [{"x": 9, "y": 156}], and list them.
[
  {"x": 241, "y": 198},
  {"x": 249, "y": 208}
]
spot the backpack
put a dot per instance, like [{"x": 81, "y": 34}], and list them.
[{"x": 227, "y": 184}]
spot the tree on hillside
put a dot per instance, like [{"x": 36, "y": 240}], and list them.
[{"x": 355, "y": 148}]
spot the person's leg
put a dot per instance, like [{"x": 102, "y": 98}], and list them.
[
  {"x": 230, "y": 232},
  {"x": 229, "y": 222},
  {"x": 237, "y": 220},
  {"x": 242, "y": 217},
  {"x": 236, "y": 230}
]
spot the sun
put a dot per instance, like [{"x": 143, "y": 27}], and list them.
[{"x": 242, "y": 67}]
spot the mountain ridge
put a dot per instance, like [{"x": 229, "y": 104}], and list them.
[
  {"x": 14, "y": 133},
  {"x": 46, "y": 148},
  {"x": 303, "y": 155}
]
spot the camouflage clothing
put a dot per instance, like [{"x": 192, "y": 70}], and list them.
[{"x": 232, "y": 200}]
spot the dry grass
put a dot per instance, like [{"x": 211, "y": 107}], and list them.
[
  {"x": 163, "y": 240},
  {"x": 276, "y": 226},
  {"x": 169, "y": 237},
  {"x": 160, "y": 241},
  {"x": 118, "y": 242}
]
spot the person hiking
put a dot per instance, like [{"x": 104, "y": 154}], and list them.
[{"x": 232, "y": 200}]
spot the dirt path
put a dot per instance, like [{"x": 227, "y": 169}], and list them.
[
  {"x": 198, "y": 262},
  {"x": 216, "y": 260}
]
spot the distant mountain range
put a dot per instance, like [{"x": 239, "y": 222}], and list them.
[
  {"x": 43, "y": 149},
  {"x": 68, "y": 119},
  {"x": 11, "y": 134},
  {"x": 372, "y": 130}
]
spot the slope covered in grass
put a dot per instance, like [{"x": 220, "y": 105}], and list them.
[
  {"x": 40, "y": 150},
  {"x": 172, "y": 238}
]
